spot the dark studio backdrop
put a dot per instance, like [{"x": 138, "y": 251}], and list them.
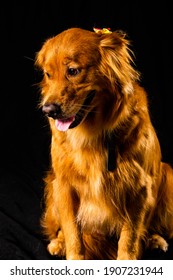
[{"x": 24, "y": 148}]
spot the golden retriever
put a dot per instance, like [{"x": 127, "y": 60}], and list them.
[{"x": 107, "y": 195}]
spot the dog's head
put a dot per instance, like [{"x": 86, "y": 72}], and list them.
[{"x": 85, "y": 73}]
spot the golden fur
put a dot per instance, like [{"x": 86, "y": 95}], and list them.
[{"x": 91, "y": 211}]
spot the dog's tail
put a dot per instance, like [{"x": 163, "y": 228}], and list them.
[{"x": 99, "y": 247}]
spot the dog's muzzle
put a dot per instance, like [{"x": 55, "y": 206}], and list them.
[
  {"x": 53, "y": 110},
  {"x": 82, "y": 112}
]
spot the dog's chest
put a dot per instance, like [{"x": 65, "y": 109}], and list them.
[
  {"x": 96, "y": 216},
  {"x": 96, "y": 212},
  {"x": 86, "y": 171}
]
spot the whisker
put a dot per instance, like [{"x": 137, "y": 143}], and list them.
[
  {"x": 84, "y": 107},
  {"x": 29, "y": 58},
  {"x": 87, "y": 110}
]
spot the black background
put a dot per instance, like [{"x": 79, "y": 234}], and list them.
[{"x": 24, "y": 148}]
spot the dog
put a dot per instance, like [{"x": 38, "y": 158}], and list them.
[{"x": 108, "y": 195}]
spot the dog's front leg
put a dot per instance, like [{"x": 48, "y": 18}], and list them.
[
  {"x": 134, "y": 228},
  {"x": 72, "y": 235},
  {"x": 129, "y": 245}
]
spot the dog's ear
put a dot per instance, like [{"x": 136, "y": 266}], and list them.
[
  {"x": 40, "y": 55},
  {"x": 116, "y": 61},
  {"x": 39, "y": 58}
]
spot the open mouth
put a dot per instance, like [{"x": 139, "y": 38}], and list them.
[{"x": 73, "y": 121}]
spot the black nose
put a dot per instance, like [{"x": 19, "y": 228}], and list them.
[{"x": 52, "y": 110}]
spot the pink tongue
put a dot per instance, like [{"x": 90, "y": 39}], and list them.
[{"x": 63, "y": 125}]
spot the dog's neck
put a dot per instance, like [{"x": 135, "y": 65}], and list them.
[{"x": 110, "y": 141}]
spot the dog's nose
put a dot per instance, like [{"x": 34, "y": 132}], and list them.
[{"x": 52, "y": 110}]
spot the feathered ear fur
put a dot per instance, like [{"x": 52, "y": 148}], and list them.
[
  {"x": 116, "y": 62},
  {"x": 39, "y": 58},
  {"x": 40, "y": 55}
]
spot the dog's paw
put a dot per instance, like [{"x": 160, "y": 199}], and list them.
[
  {"x": 57, "y": 245},
  {"x": 76, "y": 257},
  {"x": 158, "y": 242}
]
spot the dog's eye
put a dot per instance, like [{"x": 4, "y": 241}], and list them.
[
  {"x": 73, "y": 71},
  {"x": 47, "y": 74}
]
